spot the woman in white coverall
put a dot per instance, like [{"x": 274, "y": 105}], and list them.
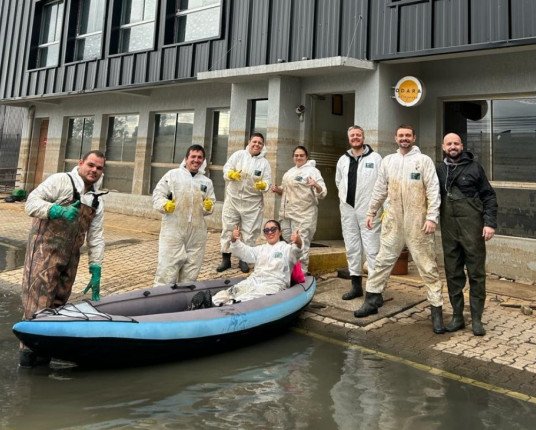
[
  {"x": 247, "y": 177},
  {"x": 273, "y": 265},
  {"x": 301, "y": 188},
  {"x": 409, "y": 181},
  {"x": 185, "y": 196}
]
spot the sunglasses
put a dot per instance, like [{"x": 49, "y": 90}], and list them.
[{"x": 269, "y": 230}]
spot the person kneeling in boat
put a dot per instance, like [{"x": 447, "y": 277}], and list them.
[{"x": 273, "y": 265}]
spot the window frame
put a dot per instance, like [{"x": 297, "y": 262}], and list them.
[
  {"x": 525, "y": 185},
  {"x": 114, "y": 48},
  {"x": 85, "y": 119},
  {"x": 173, "y": 13},
  {"x": 36, "y": 47},
  {"x": 77, "y": 37}
]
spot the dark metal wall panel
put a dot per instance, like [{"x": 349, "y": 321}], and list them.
[
  {"x": 170, "y": 63},
  {"x": 415, "y": 25},
  {"x": 328, "y": 27},
  {"x": 51, "y": 81},
  {"x": 354, "y": 28},
  {"x": 91, "y": 75},
  {"x": 102, "y": 73},
  {"x": 69, "y": 81},
  {"x": 489, "y": 20},
  {"x": 303, "y": 24},
  {"x": 279, "y": 31},
  {"x": 114, "y": 72},
  {"x": 450, "y": 25},
  {"x": 239, "y": 33},
  {"x": 523, "y": 13},
  {"x": 8, "y": 26},
  {"x": 258, "y": 32},
  {"x": 140, "y": 68},
  {"x": 154, "y": 69},
  {"x": 127, "y": 70},
  {"x": 21, "y": 48},
  {"x": 184, "y": 64},
  {"x": 15, "y": 42},
  {"x": 383, "y": 29},
  {"x": 202, "y": 57},
  {"x": 60, "y": 73}
]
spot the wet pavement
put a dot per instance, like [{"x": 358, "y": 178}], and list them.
[{"x": 503, "y": 361}]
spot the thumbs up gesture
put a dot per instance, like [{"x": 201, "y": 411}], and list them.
[
  {"x": 296, "y": 238},
  {"x": 236, "y": 234}
]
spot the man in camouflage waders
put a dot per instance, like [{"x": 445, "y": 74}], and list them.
[
  {"x": 468, "y": 220},
  {"x": 67, "y": 209}
]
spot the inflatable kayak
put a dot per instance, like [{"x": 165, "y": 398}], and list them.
[{"x": 156, "y": 325}]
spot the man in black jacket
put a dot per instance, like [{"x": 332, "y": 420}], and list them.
[{"x": 468, "y": 220}]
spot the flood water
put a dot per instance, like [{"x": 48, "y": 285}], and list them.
[{"x": 290, "y": 382}]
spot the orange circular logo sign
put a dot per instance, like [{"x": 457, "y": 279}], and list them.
[{"x": 409, "y": 91}]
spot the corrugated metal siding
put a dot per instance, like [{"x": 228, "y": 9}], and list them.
[
  {"x": 328, "y": 27},
  {"x": 279, "y": 31},
  {"x": 421, "y": 27},
  {"x": 354, "y": 28},
  {"x": 254, "y": 32},
  {"x": 450, "y": 25},
  {"x": 239, "y": 34},
  {"x": 523, "y": 13},
  {"x": 414, "y": 27},
  {"x": 303, "y": 22},
  {"x": 489, "y": 20}
]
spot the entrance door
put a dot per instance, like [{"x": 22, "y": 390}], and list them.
[
  {"x": 332, "y": 115},
  {"x": 41, "y": 149}
]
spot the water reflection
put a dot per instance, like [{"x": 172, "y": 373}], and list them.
[
  {"x": 290, "y": 382},
  {"x": 11, "y": 256}
]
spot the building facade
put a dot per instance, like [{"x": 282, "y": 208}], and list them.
[{"x": 143, "y": 79}]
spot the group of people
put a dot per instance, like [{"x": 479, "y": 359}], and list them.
[
  {"x": 384, "y": 205},
  {"x": 398, "y": 201}
]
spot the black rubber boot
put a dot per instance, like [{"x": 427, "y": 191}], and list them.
[
  {"x": 356, "y": 290},
  {"x": 437, "y": 319},
  {"x": 370, "y": 306},
  {"x": 225, "y": 262},
  {"x": 456, "y": 323},
  {"x": 477, "y": 308},
  {"x": 243, "y": 266}
]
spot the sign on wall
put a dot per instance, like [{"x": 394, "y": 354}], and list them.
[{"x": 409, "y": 91}]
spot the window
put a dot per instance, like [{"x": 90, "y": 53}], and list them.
[
  {"x": 133, "y": 26},
  {"x": 501, "y": 134},
  {"x": 259, "y": 116},
  {"x": 220, "y": 138},
  {"x": 79, "y": 137},
  {"x": 88, "y": 35},
  {"x": 46, "y": 35},
  {"x": 120, "y": 152},
  {"x": 172, "y": 137},
  {"x": 192, "y": 20}
]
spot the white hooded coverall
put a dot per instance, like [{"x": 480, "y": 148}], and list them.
[
  {"x": 273, "y": 266},
  {"x": 355, "y": 233},
  {"x": 183, "y": 233},
  {"x": 410, "y": 184},
  {"x": 299, "y": 205},
  {"x": 243, "y": 205}
]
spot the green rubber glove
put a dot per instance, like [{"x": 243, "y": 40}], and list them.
[
  {"x": 68, "y": 213},
  {"x": 94, "y": 283}
]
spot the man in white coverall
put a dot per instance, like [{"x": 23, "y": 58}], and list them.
[
  {"x": 409, "y": 181},
  {"x": 248, "y": 176},
  {"x": 185, "y": 196},
  {"x": 357, "y": 170}
]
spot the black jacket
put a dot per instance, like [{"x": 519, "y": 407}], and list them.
[{"x": 469, "y": 177}]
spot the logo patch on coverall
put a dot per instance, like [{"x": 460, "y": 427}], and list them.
[
  {"x": 415, "y": 175},
  {"x": 257, "y": 173},
  {"x": 203, "y": 188},
  {"x": 278, "y": 255},
  {"x": 298, "y": 178},
  {"x": 369, "y": 165}
]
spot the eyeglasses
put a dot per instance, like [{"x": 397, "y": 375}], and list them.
[{"x": 269, "y": 230}]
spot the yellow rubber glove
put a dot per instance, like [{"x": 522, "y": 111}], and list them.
[
  {"x": 260, "y": 185},
  {"x": 169, "y": 206},
  {"x": 234, "y": 175},
  {"x": 208, "y": 204}
]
